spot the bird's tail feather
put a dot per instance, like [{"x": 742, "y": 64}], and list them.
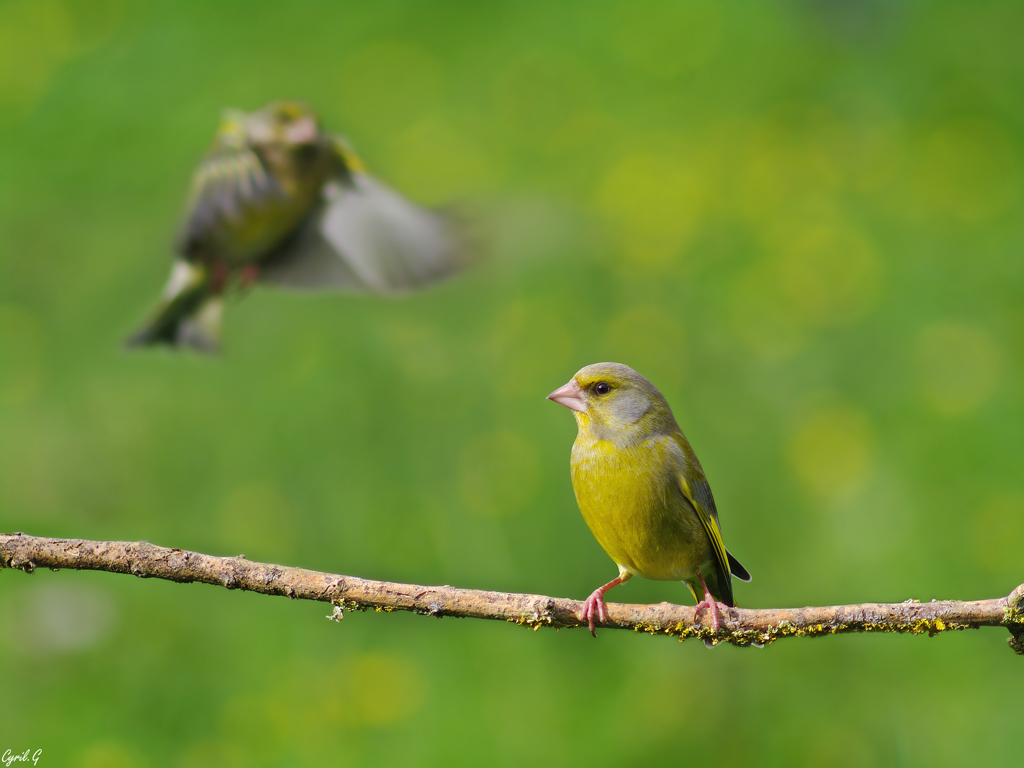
[
  {"x": 189, "y": 313},
  {"x": 737, "y": 569}
]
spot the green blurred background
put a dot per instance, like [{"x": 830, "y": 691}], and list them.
[{"x": 802, "y": 220}]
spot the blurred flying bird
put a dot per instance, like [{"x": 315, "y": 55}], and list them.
[
  {"x": 642, "y": 491},
  {"x": 279, "y": 201}
]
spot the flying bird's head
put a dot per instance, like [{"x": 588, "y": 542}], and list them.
[
  {"x": 284, "y": 123},
  {"x": 287, "y": 138},
  {"x": 281, "y": 126}
]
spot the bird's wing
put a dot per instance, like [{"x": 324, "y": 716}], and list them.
[
  {"x": 367, "y": 237},
  {"x": 228, "y": 180},
  {"x": 698, "y": 492}
]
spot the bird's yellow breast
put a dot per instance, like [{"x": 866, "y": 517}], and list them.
[{"x": 631, "y": 500}]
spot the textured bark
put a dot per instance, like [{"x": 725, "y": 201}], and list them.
[{"x": 743, "y": 626}]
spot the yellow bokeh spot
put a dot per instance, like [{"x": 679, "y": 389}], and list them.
[
  {"x": 498, "y": 473},
  {"x": 998, "y": 533},
  {"x": 655, "y": 204},
  {"x": 833, "y": 450},
  {"x": 826, "y": 273},
  {"x": 385, "y": 689},
  {"x": 647, "y": 338},
  {"x": 434, "y": 161},
  {"x": 256, "y": 521},
  {"x": 106, "y": 754},
  {"x": 36, "y": 37},
  {"x": 959, "y": 367}
]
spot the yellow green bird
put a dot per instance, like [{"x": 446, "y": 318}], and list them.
[
  {"x": 280, "y": 201},
  {"x": 642, "y": 491}
]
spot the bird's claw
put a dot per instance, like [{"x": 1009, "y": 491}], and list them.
[
  {"x": 594, "y": 604},
  {"x": 714, "y": 607},
  {"x": 248, "y": 277}
]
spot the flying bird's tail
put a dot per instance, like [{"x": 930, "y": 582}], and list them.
[{"x": 189, "y": 313}]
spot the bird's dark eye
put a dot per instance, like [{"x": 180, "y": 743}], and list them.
[{"x": 602, "y": 387}]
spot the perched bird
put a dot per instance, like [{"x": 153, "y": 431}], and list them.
[
  {"x": 642, "y": 491},
  {"x": 277, "y": 200}
]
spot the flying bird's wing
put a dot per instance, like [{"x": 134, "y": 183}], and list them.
[
  {"x": 367, "y": 237},
  {"x": 227, "y": 182}
]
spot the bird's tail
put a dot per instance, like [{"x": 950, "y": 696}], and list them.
[
  {"x": 736, "y": 568},
  {"x": 189, "y": 313}
]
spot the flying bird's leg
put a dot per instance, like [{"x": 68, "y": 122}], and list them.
[
  {"x": 250, "y": 274},
  {"x": 595, "y": 604},
  {"x": 711, "y": 604},
  {"x": 219, "y": 278}
]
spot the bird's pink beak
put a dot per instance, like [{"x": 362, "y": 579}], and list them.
[
  {"x": 302, "y": 131},
  {"x": 569, "y": 395}
]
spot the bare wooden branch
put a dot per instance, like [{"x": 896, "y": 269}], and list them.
[{"x": 745, "y": 626}]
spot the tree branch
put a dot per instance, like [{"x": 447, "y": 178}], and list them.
[{"x": 744, "y": 626}]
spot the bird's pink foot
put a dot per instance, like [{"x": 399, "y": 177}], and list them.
[
  {"x": 219, "y": 275},
  {"x": 250, "y": 274},
  {"x": 594, "y": 605},
  {"x": 714, "y": 607}
]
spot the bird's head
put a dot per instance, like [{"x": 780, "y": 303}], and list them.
[
  {"x": 614, "y": 402},
  {"x": 285, "y": 124}
]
